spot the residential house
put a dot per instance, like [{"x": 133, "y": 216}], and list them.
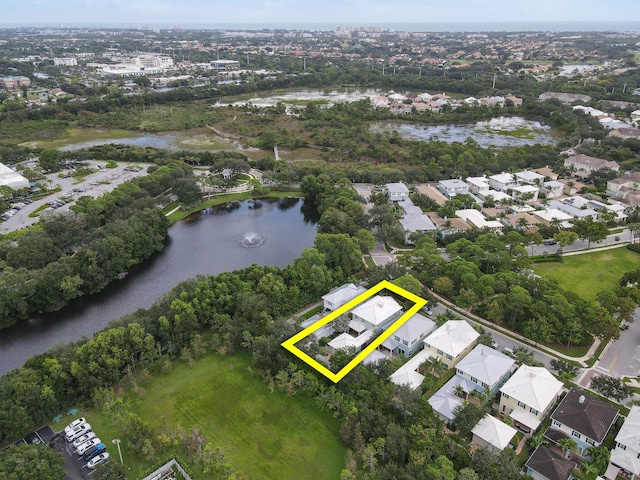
[
  {"x": 526, "y": 193},
  {"x": 408, "y": 373},
  {"x": 450, "y": 396},
  {"x": 448, "y": 226},
  {"x": 565, "y": 98},
  {"x": 553, "y": 189},
  {"x": 625, "y": 456},
  {"x": 407, "y": 339},
  {"x": 528, "y": 396},
  {"x": 549, "y": 464},
  {"x": 453, "y": 187},
  {"x": 475, "y": 218},
  {"x": 584, "y": 165},
  {"x": 547, "y": 173},
  {"x": 530, "y": 177},
  {"x": 583, "y": 418},
  {"x": 492, "y": 434},
  {"x": 416, "y": 223},
  {"x": 553, "y": 215},
  {"x": 503, "y": 181},
  {"x": 377, "y": 312},
  {"x": 347, "y": 340},
  {"x": 397, "y": 191},
  {"x": 625, "y": 133},
  {"x": 478, "y": 185},
  {"x": 625, "y": 189},
  {"x": 433, "y": 193},
  {"x": 486, "y": 368},
  {"x": 452, "y": 341},
  {"x": 567, "y": 206},
  {"x": 341, "y": 295}
]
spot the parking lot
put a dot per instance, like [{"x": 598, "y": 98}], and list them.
[{"x": 95, "y": 185}]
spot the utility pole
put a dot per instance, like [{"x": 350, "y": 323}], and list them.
[{"x": 116, "y": 441}]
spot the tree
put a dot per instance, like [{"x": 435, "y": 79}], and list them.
[
  {"x": 31, "y": 461},
  {"x": 566, "y": 444},
  {"x": 590, "y": 230},
  {"x": 366, "y": 240},
  {"x": 467, "y": 473},
  {"x": 50, "y": 159},
  {"x": 610, "y": 387},
  {"x": 467, "y": 415},
  {"x": 565, "y": 237}
]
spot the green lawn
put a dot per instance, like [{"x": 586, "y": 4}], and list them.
[
  {"x": 262, "y": 434},
  {"x": 588, "y": 273}
]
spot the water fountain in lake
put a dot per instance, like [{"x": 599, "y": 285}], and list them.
[{"x": 251, "y": 240}]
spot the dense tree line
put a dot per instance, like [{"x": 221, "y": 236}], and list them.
[{"x": 71, "y": 255}]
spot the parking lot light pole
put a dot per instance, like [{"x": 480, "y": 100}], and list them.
[{"x": 116, "y": 441}]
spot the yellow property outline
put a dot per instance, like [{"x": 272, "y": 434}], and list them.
[{"x": 336, "y": 377}]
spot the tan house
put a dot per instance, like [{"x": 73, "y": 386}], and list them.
[
  {"x": 584, "y": 165},
  {"x": 528, "y": 396},
  {"x": 452, "y": 341}
]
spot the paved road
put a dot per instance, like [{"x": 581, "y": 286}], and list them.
[
  {"x": 115, "y": 177},
  {"x": 622, "y": 358},
  {"x": 624, "y": 236}
]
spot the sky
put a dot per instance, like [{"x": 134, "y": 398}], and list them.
[{"x": 338, "y": 12}]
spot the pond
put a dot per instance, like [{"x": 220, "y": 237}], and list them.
[
  {"x": 499, "y": 132},
  {"x": 225, "y": 238}
]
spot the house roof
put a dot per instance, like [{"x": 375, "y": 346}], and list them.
[
  {"x": 417, "y": 326},
  {"x": 586, "y": 414},
  {"x": 377, "y": 310},
  {"x": 417, "y": 223},
  {"x": 453, "y": 183},
  {"x": 534, "y": 386},
  {"x": 433, "y": 193},
  {"x": 344, "y": 340},
  {"x": 504, "y": 178},
  {"x": 343, "y": 294},
  {"x": 591, "y": 162},
  {"x": 486, "y": 364},
  {"x": 550, "y": 463},
  {"x": 529, "y": 176},
  {"x": 406, "y": 376},
  {"x": 453, "y": 338},
  {"x": 445, "y": 400},
  {"x": 397, "y": 188},
  {"x": 374, "y": 356},
  {"x": 629, "y": 434},
  {"x": 494, "y": 432}
]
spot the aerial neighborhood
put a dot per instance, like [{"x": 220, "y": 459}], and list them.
[{"x": 355, "y": 252}]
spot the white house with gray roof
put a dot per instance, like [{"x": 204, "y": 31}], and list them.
[
  {"x": 407, "y": 339},
  {"x": 377, "y": 312},
  {"x": 397, "y": 191},
  {"x": 625, "y": 457},
  {"x": 486, "y": 368},
  {"x": 341, "y": 295},
  {"x": 453, "y": 187}
]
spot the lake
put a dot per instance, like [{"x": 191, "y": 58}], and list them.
[
  {"x": 269, "y": 232},
  {"x": 499, "y": 132}
]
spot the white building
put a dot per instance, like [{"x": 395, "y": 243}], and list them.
[
  {"x": 341, "y": 295},
  {"x": 397, "y": 192},
  {"x": 475, "y": 218},
  {"x": 451, "y": 188},
  {"x": 625, "y": 457},
  {"x": 377, "y": 312},
  {"x": 452, "y": 341},
  {"x": 12, "y": 179},
  {"x": 503, "y": 181},
  {"x": 530, "y": 177},
  {"x": 528, "y": 193},
  {"x": 486, "y": 368},
  {"x": 67, "y": 62},
  {"x": 492, "y": 434},
  {"x": 478, "y": 185}
]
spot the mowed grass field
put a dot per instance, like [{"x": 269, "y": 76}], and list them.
[
  {"x": 264, "y": 435},
  {"x": 588, "y": 273}
]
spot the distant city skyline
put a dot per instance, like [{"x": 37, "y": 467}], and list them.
[{"x": 298, "y": 12}]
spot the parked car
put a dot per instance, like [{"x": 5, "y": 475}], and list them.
[
  {"x": 78, "y": 431},
  {"x": 548, "y": 243},
  {"x": 33, "y": 438},
  {"x": 82, "y": 439},
  {"x": 495, "y": 345},
  {"x": 95, "y": 450},
  {"x": 508, "y": 351},
  {"x": 77, "y": 422},
  {"x": 94, "y": 462},
  {"x": 88, "y": 446},
  {"x": 624, "y": 326}
]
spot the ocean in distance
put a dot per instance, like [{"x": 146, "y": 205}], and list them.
[{"x": 565, "y": 26}]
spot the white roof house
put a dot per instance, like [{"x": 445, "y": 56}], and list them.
[
  {"x": 377, "y": 311},
  {"x": 412, "y": 223},
  {"x": 502, "y": 181},
  {"x": 551, "y": 214},
  {"x": 409, "y": 335},
  {"x": 529, "y": 176},
  {"x": 407, "y": 374},
  {"x": 12, "y": 179},
  {"x": 493, "y": 434},
  {"x": 453, "y": 187},
  {"x": 521, "y": 190},
  {"x": 445, "y": 400},
  {"x": 344, "y": 340},
  {"x": 452, "y": 340},
  {"x": 529, "y": 393},
  {"x": 341, "y": 295},
  {"x": 486, "y": 367},
  {"x": 475, "y": 218},
  {"x": 479, "y": 185},
  {"x": 626, "y": 454},
  {"x": 397, "y": 191}
]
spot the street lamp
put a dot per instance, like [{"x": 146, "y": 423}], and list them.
[{"x": 116, "y": 441}]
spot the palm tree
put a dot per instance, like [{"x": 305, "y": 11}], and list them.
[
  {"x": 566, "y": 444},
  {"x": 599, "y": 456},
  {"x": 436, "y": 366},
  {"x": 460, "y": 391}
]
